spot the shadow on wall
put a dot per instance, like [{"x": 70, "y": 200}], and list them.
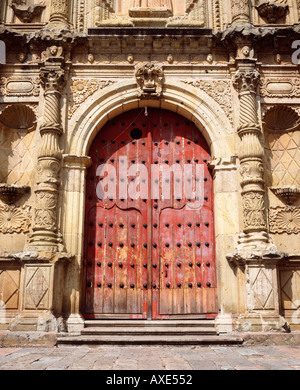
[{"x": 2, "y": 53}]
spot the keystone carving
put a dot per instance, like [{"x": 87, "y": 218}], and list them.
[{"x": 150, "y": 79}]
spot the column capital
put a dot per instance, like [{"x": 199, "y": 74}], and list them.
[{"x": 246, "y": 79}]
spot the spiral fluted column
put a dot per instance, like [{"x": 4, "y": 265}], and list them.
[
  {"x": 45, "y": 230},
  {"x": 251, "y": 154}
]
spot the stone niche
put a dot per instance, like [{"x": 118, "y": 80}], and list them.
[{"x": 150, "y": 13}]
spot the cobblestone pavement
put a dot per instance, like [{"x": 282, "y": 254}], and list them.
[{"x": 152, "y": 358}]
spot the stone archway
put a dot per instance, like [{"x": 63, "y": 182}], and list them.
[{"x": 188, "y": 101}]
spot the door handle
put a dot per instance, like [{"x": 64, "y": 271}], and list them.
[{"x": 166, "y": 273}]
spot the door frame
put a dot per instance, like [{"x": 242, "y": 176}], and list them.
[
  {"x": 190, "y": 102},
  {"x": 150, "y": 312}
]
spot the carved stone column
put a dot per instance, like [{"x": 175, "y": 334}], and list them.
[
  {"x": 240, "y": 11},
  {"x": 59, "y": 14},
  {"x": 251, "y": 154},
  {"x": 256, "y": 255},
  {"x": 45, "y": 230}
]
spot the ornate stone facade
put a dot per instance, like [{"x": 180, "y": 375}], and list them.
[{"x": 74, "y": 66}]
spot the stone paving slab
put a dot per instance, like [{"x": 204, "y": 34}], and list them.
[{"x": 155, "y": 358}]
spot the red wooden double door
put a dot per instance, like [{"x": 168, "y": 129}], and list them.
[{"x": 149, "y": 231}]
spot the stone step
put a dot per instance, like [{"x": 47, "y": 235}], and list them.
[
  {"x": 148, "y": 340},
  {"x": 148, "y": 324},
  {"x": 146, "y": 330}
]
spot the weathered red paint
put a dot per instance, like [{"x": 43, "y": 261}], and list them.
[{"x": 149, "y": 258}]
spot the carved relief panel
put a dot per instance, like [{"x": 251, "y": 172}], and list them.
[
  {"x": 37, "y": 287},
  {"x": 27, "y": 11},
  {"x": 9, "y": 287},
  {"x": 282, "y": 137}
]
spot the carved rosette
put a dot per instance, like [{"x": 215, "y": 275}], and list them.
[
  {"x": 251, "y": 151},
  {"x": 240, "y": 11},
  {"x": 15, "y": 219}
]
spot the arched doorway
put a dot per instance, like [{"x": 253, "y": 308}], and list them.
[{"x": 149, "y": 230}]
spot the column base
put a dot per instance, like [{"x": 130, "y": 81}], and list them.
[
  {"x": 45, "y": 241},
  {"x": 260, "y": 322},
  {"x": 224, "y": 323},
  {"x": 75, "y": 323}
]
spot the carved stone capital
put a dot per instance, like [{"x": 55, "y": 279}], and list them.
[
  {"x": 246, "y": 80},
  {"x": 52, "y": 78},
  {"x": 254, "y": 211}
]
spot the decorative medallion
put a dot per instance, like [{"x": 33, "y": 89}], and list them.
[{"x": 284, "y": 219}]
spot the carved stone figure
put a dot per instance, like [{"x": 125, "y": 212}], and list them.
[
  {"x": 26, "y": 12},
  {"x": 150, "y": 78}
]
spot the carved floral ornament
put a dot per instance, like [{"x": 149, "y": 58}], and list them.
[
  {"x": 254, "y": 211},
  {"x": 81, "y": 89},
  {"x": 15, "y": 219},
  {"x": 284, "y": 219},
  {"x": 219, "y": 90}
]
